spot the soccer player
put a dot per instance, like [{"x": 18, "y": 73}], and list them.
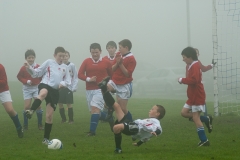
[
  {"x": 121, "y": 80},
  {"x": 66, "y": 93},
  {"x": 195, "y": 92},
  {"x": 141, "y": 129},
  {"x": 93, "y": 70},
  {"x": 111, "y": 48},
  {"x": 6, "y": 100},
  {"x": 30, "y": 88},
  {"x": 55, "y": 75}
]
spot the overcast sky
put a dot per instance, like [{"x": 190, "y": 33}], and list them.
[{"x": 157, "y": 29}]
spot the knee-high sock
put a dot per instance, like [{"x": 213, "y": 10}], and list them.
[
  {"x": 103, "y": 116},
  {"x": 109, "y": 100},
  {"x": 25, "y": 119},
  {"x": 36, "y": 104},
  {"x": 204, "y": 118},
  {"x": 62, "y": 113},
  {"x": 39, "y": 116},
  {"x": 201, "y": 134},
  {"x": 94, "y": 122},
  {"x": 16, "y": 121},
  {"x": 47, "y": 130},
  {"x": 70, "y": 114},
  {"x": 118, "y": 140}
]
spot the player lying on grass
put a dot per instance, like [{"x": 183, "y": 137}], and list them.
[{"x": 142, "y": 129}]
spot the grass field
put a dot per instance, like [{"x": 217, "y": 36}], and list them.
[{"x": 178, "y": 140}]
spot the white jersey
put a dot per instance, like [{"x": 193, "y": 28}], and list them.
[
  {"x": 74, "y": 76},
  {"x": 52, "y": 74},
  {"x": 146, "y": 126}
]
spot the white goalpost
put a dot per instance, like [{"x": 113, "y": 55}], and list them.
[{"x": 226, "y": 52}]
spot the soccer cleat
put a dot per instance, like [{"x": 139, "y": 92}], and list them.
[
  {"x": 40, "y": 127},
  {"x": 20, "y": 132},
  {"x": 209, "y": 123},
  {"x": 90, "y": 134},
  {"x": 104, "y": 82},
  {"x": 206, "y": 143},
  {"x": 117, "y": 150},
  {"x": 29, "y": 113},
  {"x": 45, "y": 141}
]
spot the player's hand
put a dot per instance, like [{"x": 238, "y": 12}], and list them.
[
  {"x": 93, "y": 79},
  {"x": 213, "y": 63},
  {"x": 60, "y": 86},
  {"x": 154, "y": 133},
  {"x": 118, "y": 59},
  {"x": 134, "y": 144},
  {"x": 26, "y": 65},
  {"x": 29, "y": 82},
  {"x": 179, "y": 81}
]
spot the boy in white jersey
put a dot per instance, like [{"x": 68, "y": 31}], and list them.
[
  {"x": 55, "y": 75},
  {"x": 141, "y": 129},
  {"x": 66, "y": 94},
  {"x": 30, "y": 88}
]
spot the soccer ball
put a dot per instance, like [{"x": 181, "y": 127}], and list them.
[{"x": 55, "y": 144}]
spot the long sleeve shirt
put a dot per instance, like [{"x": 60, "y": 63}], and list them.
[
  {"x": 3, "y": 79},
  {"x": 52, "y": 73}
]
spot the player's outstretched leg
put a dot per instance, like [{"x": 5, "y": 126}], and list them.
[{"x": 35, "y": 105}]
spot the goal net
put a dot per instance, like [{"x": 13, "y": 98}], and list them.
[{"x": 226, "y": 52}]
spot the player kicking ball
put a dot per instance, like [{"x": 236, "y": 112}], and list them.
[{"x": 142, "y": 129}]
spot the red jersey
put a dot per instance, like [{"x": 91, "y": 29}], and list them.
[
  {"x": 202, "y": 67},
  {"x": 3, "y": 80},
  {"x": 195, "y": 91},
  {"x": 129, "y": 63},
  {"x": 23, "y": 76},
  {"x": 108, "y": 58},
  {"x": 89, "y": 68}
]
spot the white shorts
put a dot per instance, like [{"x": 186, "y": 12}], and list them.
[
  {"x": 95, "y": 98},
  {"x": 195, "y": 108},
  {"x": 123, "y": 91},
  {"x": 29, "y": 93},
  {"x": 5, "y": 97}
]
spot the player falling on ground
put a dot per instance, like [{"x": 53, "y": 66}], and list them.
[
  {"x": 142, "y": 129},
  {"x": 92, "y": 71},
  {"x": 30, "y": 88},
  {"x": 6, "y": 100},
  {"x": 195, "y": 93},
  {"x": 66, "y": 93},
  {"x": 55, "y": 75}
]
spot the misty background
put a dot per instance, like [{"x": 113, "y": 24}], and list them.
[{"x": 156, "y": 28}]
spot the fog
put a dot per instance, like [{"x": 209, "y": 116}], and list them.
[{"x": 156, "y": 28}]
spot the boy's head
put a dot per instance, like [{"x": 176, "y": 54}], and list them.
[
  {"x": 66, "y": 58},
  {"x": 95, "y": 50},
  {"x": 125, "y": 46},
  {"x": 197, "y": 51},
  {"x": 30, "y": 56},
  {"x": 157, "y": 111},
  {"x": 189, "y": 55},
  {"x": 111, "y": 48},
  {"x": 59, "y": 54}
]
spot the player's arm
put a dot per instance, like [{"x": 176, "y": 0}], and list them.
[
  {"x": 75, "y": 79},
  {"x": 128, "y": 70},
  {"x": 193, "y": 77},
  {"x": 205, "y": 68},
  {"x": 66, "y": 80},
  {"x": 20, "y": 76},
  {"x": 37, "y": 72},
  {"x": 81, "y": 73}
]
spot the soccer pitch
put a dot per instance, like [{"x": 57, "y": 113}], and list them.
[{"x": 178, "y": 140}]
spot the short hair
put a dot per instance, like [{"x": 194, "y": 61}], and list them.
[
  {"x": 30, "y": 52},
  {"x": 59, "y": 49},
  {"x": 111, "y": 43},
  {"x": 126, "y": 43},
  {"x": 161, "y": 110},
  {"x": 190, "y": 52},
  {"x": 95, "y": 46},
  {"x": 67, "y": 53}
]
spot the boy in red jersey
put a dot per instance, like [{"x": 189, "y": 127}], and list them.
[
  {"x": 195, "y": 92},
  {"x": 93, "y": 70},
  {"x": 111, "y": 48},
  {"x": 121, "y": 80},
  {"x": 6, "y": 100},
  {"x": 30, "y": 88}
]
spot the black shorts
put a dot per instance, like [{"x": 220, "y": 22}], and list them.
[
  {"x": 130, "y": 128},
  {"x": 52, "y": 96},
  {"x": 65, "y": 96}
]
